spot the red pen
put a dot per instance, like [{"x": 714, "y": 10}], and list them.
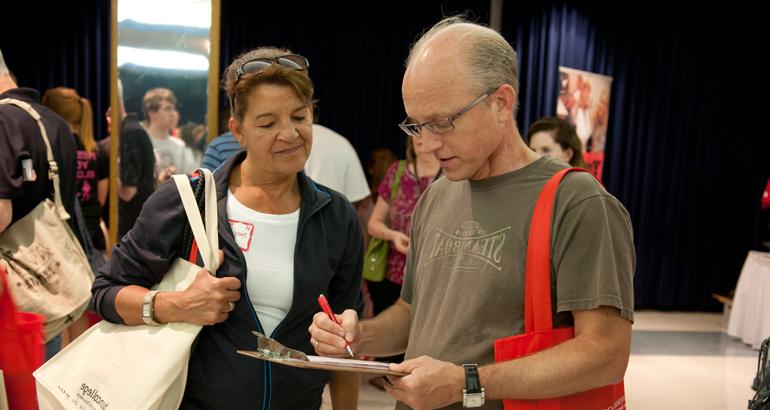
[{"x": 328, "y": 310}]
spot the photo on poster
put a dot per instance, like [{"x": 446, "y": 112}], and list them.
[{"x": 584, "y": 101}]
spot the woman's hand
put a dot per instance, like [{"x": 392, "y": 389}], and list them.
[
  {"x": 400, "y": 241},
  {"x": 166, "y": 173},
  {"x": 208, "y": 300}
]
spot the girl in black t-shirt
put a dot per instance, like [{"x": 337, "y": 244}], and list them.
[{"x": 92, "y": 164}]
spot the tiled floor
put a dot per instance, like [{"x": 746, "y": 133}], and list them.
[{"x": 678, "y": 361}]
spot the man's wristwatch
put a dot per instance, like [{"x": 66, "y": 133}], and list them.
[
  {"x": 473, "y": 393},
  {"x": 148, "y": 308}
]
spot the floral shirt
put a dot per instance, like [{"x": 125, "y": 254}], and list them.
[{"x": 400, "y": 213}]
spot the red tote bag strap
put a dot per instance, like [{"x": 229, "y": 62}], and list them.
[{"x": 537, "y": 290}]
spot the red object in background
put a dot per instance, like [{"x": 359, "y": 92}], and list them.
[
  {"x": 93, "y": 318},
  {"x": 594, "y": 163},
  {"x": 766, "y": 196},
  {"x": 21, "y": 349}
]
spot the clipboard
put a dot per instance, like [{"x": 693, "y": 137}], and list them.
[{"x": 272, "y": 351}]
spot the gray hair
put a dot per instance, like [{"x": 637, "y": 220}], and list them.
[
  {"x": 491, "y": 59},
  {"x": 3, "y": 67}
]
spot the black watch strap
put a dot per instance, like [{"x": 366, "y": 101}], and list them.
[{"x": 472, "y": 384}]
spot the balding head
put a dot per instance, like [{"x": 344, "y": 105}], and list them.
[
  {"x": 7, "y": 81},
  {"x": 456, "y": 46},
  {"x": 3, "y": 67}
]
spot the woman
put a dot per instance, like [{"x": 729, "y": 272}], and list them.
[
  {"x": 92, "y": 177},
  {"x": 284, "y": 241},
  {"x": 556, "y": 138},
  {"x": 93, "y": 164},
  {"x": 390, "y": 218}
]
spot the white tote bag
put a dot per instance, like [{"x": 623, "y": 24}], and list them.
[
  {"x": 135, "y": 367},
  {"x": 47, "y": 268}
]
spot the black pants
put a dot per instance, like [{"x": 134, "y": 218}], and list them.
[{"x": 384, "y": 294}]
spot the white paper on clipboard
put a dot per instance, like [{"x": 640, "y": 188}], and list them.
[
  {"x": 272, "y": 351},
  {"x": 328, "y": 363}
]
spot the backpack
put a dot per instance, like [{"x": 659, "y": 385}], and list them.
[{"x": 761, "y": 399}]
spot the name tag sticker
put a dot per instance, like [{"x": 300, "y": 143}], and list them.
[{"x": 243, "y": 232}]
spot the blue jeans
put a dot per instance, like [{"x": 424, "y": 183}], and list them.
[{"x": 52, "y": 347}]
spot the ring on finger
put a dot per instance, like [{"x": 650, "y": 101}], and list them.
[{"x": 230, "y": 306}]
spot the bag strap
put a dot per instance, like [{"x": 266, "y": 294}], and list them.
[
  {"x": 53, "y": 168},
  {"x": 397, "y": 180},
  {"x": 206, "y": 237},
  {"x": 537, "y": 291}
]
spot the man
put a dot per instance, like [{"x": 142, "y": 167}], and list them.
[
  {"x": 22, "y": 147},
  {"x": 219, "y": 150},
  {"x": 159, "y": 105},
  {"x": 24, "y": 167},
  {"x": 333, "y": 162},
  {"x": 464, "y": 283}
]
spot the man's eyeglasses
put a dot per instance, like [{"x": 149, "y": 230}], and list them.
[
  {"x": 257, "y": 65},
  {"x": 446, "y": 125}
]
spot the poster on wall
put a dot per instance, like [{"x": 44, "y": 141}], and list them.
[{"x": 584, "y": 101}]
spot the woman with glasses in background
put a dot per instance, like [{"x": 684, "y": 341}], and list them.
[{"x": 284, "y": 238}]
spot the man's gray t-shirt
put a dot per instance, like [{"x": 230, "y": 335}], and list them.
[{"x": 464, "y": 275}]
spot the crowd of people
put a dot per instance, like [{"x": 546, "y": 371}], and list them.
[{"x": 296, "y": 211}]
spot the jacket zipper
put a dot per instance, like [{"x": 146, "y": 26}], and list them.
[
  {"x": 268, "y": 369},
  {"x": 300, "y": 230}
]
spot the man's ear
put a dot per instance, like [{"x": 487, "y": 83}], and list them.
[
  {"x": 504, "y": 102},
  {"x": 235, "y": 128}
]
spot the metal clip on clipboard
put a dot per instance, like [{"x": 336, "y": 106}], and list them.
[{"x": 270, "y": 350}]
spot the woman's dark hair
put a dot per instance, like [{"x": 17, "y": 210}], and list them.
[
  {"x": 379, "y": 162},
  {"x": 563, "y": 133}
]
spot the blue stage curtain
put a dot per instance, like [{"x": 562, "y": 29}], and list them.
[
  {"x": 356, "y": 55},
  {"x": 685, "y": 152},
  {"x": 62, "y": 43}
]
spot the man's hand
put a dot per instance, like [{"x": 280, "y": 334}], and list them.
[
  {"x": 430, "y": 384},
  {"x": 328, "y": 338}
]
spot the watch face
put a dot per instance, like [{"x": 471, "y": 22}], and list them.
[
  {"x": 146, "y": 310},
  {"x": 474, "y": 400}
]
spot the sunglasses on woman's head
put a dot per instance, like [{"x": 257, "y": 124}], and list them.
[{"x": 257, "y": 65}]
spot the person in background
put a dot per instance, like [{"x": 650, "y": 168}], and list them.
[
  {"x": 192, "y": 134},
  {"x": 556, "y": 138},
  {"x": 137, "y": 167},
  {"x": 159, "y": 105},
  {"x": 92, "y": 164},
  {"x": 285, "y": 241},
  {"x": 22, "y": 147},
  {"x": 465, "y": 270},
  {"x": 380, "y": 161},
  {"x": 219, "y": 150},
  {"x": 92, "y": 176},
  {"x": 391, "y": 217},
  {"x": 333, "y": 162}
]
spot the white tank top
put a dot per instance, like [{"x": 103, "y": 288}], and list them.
[{"x": 267, "y": 242}]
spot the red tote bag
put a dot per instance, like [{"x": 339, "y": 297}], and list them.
[
  {"x": 21, "y": 349},
  {"x": 539, "y": 333}
]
